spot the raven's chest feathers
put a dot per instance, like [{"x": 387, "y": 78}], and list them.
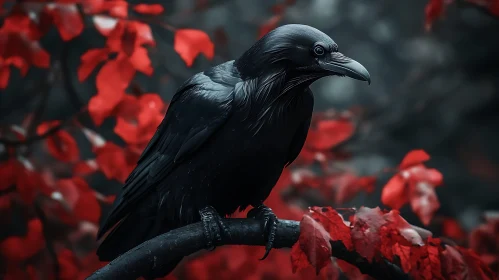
[{"x": 266, "y": 119}]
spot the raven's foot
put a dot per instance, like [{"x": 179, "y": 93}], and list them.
[
  {"x": 213, "y": 226},
  {"x": 269, "y": 220}
]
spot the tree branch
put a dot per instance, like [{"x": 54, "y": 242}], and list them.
[{"x": 190, "y": 239}]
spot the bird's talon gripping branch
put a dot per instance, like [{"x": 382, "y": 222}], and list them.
[
  {"x": 213, "y": 226},
  {"x": 269, "y": 224}
]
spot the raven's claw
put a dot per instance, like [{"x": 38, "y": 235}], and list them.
[
  {"x": 213, "y": 227},
  {"x": 269, "y": 224}
]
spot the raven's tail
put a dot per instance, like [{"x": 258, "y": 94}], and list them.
[{"x": 136, "y": 228}]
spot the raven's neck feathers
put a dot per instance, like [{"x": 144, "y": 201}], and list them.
[{"x": 267, "y": 55}]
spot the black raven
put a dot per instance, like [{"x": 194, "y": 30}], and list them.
[{"x": 225, "y": 139}]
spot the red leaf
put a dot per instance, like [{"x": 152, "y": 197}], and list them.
[
  {"x": 365, "y": 235},
  {"x": 87, "y": 207},
  {"x": 70, "y": 190},
  {"x": 453, "y": 266},
  {"x": 451, "y": 228},
  {"x": 67, "y": 19},
  {"x": 424, "y": 201},
  {"x": 420, "y": 173},
  {"x": 329, "y": 133},
  {"x": 85, "y": 168},
  {"x": 89, "y": 61},
  {"x": 99, "y": 109},
  {"x": 113, "y": 79},
  {"x": 140, "y": 61},
  {"x": 314, "y": 242},
  {"x": 112, "y": 162},
  {"x": 334, "y": 224},
  {"x": 414, "y": 157},
  {"x": 17, "y": 248},
  {"x": 394, "y": 193},
  {"x": 67, "y": 263},
  {"x": 477, "y": 269},
  {"x": 347, "y": 185},
  {"x": 299, "y": 259},
  {"x": 484, "y": 239},
  {"x": 189, "y": 43},
  {"x": 415, "y": 183},
  {"x": 63, "y": 146},
  {"x": 149, "y": 9},
  {"x": 425, "y": 261}
]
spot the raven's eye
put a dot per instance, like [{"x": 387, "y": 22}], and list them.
[{"x": 319, "y": 50}]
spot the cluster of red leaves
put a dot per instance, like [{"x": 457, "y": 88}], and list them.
[
  {"x": 328, "y": 132},
  {"x": 485, "y": 241},
  {"x": 375, "y": 235},
  {"x": 414, "y": 183},
  {"x": 435, "y": 9},
  {"x": 69, "y": 201}
]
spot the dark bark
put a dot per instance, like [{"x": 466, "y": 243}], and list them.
[{"x": 190, "y": 239}]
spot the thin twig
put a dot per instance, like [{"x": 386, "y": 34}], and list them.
[
  {"x": 189, "y": 239},
  {"x": 36, "y": 137}
]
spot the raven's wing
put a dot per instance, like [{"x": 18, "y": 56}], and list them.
[
  {"x": 196, "y": 111},
  {"x": 298, "y": 141}
]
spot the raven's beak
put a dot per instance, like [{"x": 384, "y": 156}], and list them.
[{"x": 341, "y": 65}]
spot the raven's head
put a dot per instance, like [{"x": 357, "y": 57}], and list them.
[{"x": 301, "y": 50}]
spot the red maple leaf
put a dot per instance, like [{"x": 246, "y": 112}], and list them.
[
  {"x": 314, "y": 243},
  {"x": 425, "y": 260},
  {"x": 375, "y": 232},
  {"x": 329, "y": 133},
  {"x": 334, "y": 224},
  {"x": 189, "y": 43}
]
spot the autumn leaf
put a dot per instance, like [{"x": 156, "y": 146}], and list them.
[
  {"x": 149, "y": 9},
  {"x": 334, "y": 224},
  {"x": 329, "y": 133},
  {"x": 20, "y": 248},
  {"x": 112, "y": 162},
  {"x": 67, "y": 19},
  {"x": 61, "y": 145},
  {"x": 90, "y": 60},
  {"x": 314, "y": 242},
  {"x": 413, "y": 158},
  {"x": 189, "y": 43}
]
